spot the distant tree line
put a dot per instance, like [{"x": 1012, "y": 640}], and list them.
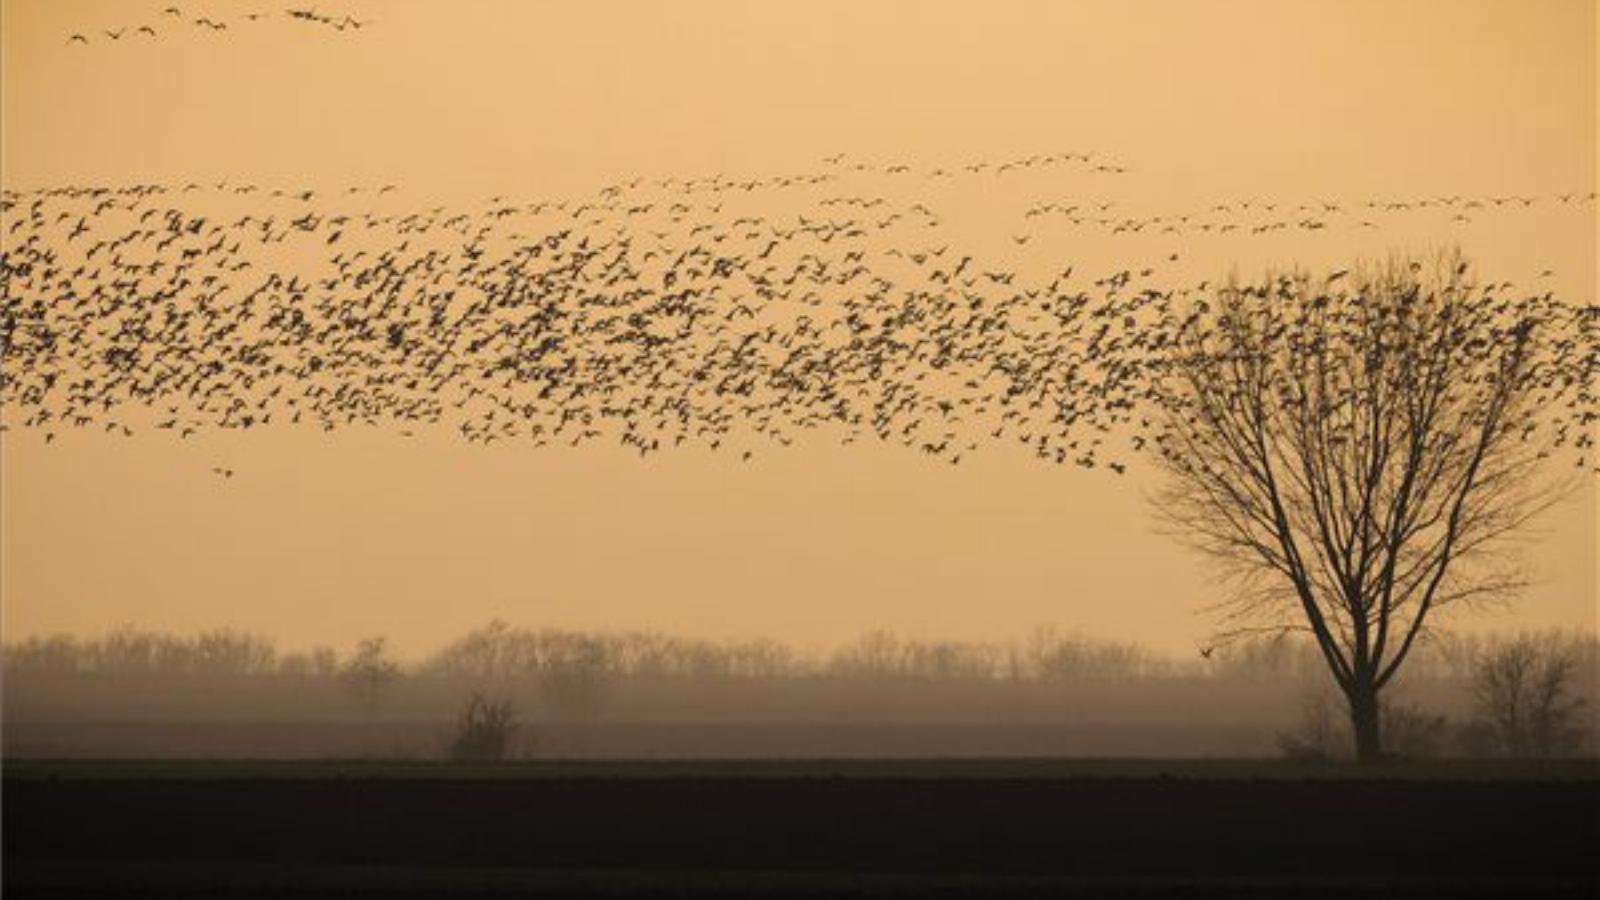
[
  {"x": 502, "y": 651},
  {"x": 1521, "y": 695},
  {"x": 134, "y": 651}
]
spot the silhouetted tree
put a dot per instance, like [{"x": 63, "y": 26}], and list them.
[
  {"x": 370, "y": 671},
  {"x": 1354, "y": 447},
  {"x": 1524, "y": 693}
]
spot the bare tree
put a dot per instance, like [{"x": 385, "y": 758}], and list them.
[
  {"x": 1524, "y": 692},
  {"x": 370, "y": 671},
  {"x": 1355, "y": 449}
]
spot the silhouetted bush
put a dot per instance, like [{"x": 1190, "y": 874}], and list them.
[{"x": 484, "y": 730}]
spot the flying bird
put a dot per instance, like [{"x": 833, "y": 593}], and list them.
[{"x": 645, "y": 313}]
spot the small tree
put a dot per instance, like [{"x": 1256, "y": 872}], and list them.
[
  {"x": 1353, "y": 448},
  {"x": 1523, "y": 693},
  {"x": 369, "y": 672}
]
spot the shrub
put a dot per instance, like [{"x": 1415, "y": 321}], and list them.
[
  {"x": 484, "y": 730},
  {"x": 1320, "y": 736}
]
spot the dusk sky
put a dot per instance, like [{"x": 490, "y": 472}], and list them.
[{"x": 330, "y": 537}]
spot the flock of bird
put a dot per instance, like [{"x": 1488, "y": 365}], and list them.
[
  {"x": 1261, "y": 217},
  {"x": 656, "y": 313},
  {"x": 172, "y": 18}
]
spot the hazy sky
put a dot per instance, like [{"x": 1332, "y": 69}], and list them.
[{"x": 333, "y": 537}]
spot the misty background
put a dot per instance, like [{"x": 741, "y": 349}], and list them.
[{"x": 575, "y": 695}]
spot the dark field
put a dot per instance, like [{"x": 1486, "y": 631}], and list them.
[
  {"x": 404, "y": 741},
  {"x": 791, "y": 829}
]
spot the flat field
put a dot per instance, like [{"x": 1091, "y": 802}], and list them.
[{"x": 879, "y": 828}]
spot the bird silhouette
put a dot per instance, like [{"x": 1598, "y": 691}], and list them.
[
  {"x": 337, "y": 23},
  {"x": 654, "y": 313}
]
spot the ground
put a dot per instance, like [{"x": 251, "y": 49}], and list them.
[{"x": 778, "y": 829}]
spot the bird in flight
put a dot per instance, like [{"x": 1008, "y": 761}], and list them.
[{"x": 572, "y": 329}]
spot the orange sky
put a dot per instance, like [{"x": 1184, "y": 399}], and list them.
[{"x": 329, "y": 538}]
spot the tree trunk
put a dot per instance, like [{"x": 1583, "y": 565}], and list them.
[{"x": 1365, "y": 724}]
